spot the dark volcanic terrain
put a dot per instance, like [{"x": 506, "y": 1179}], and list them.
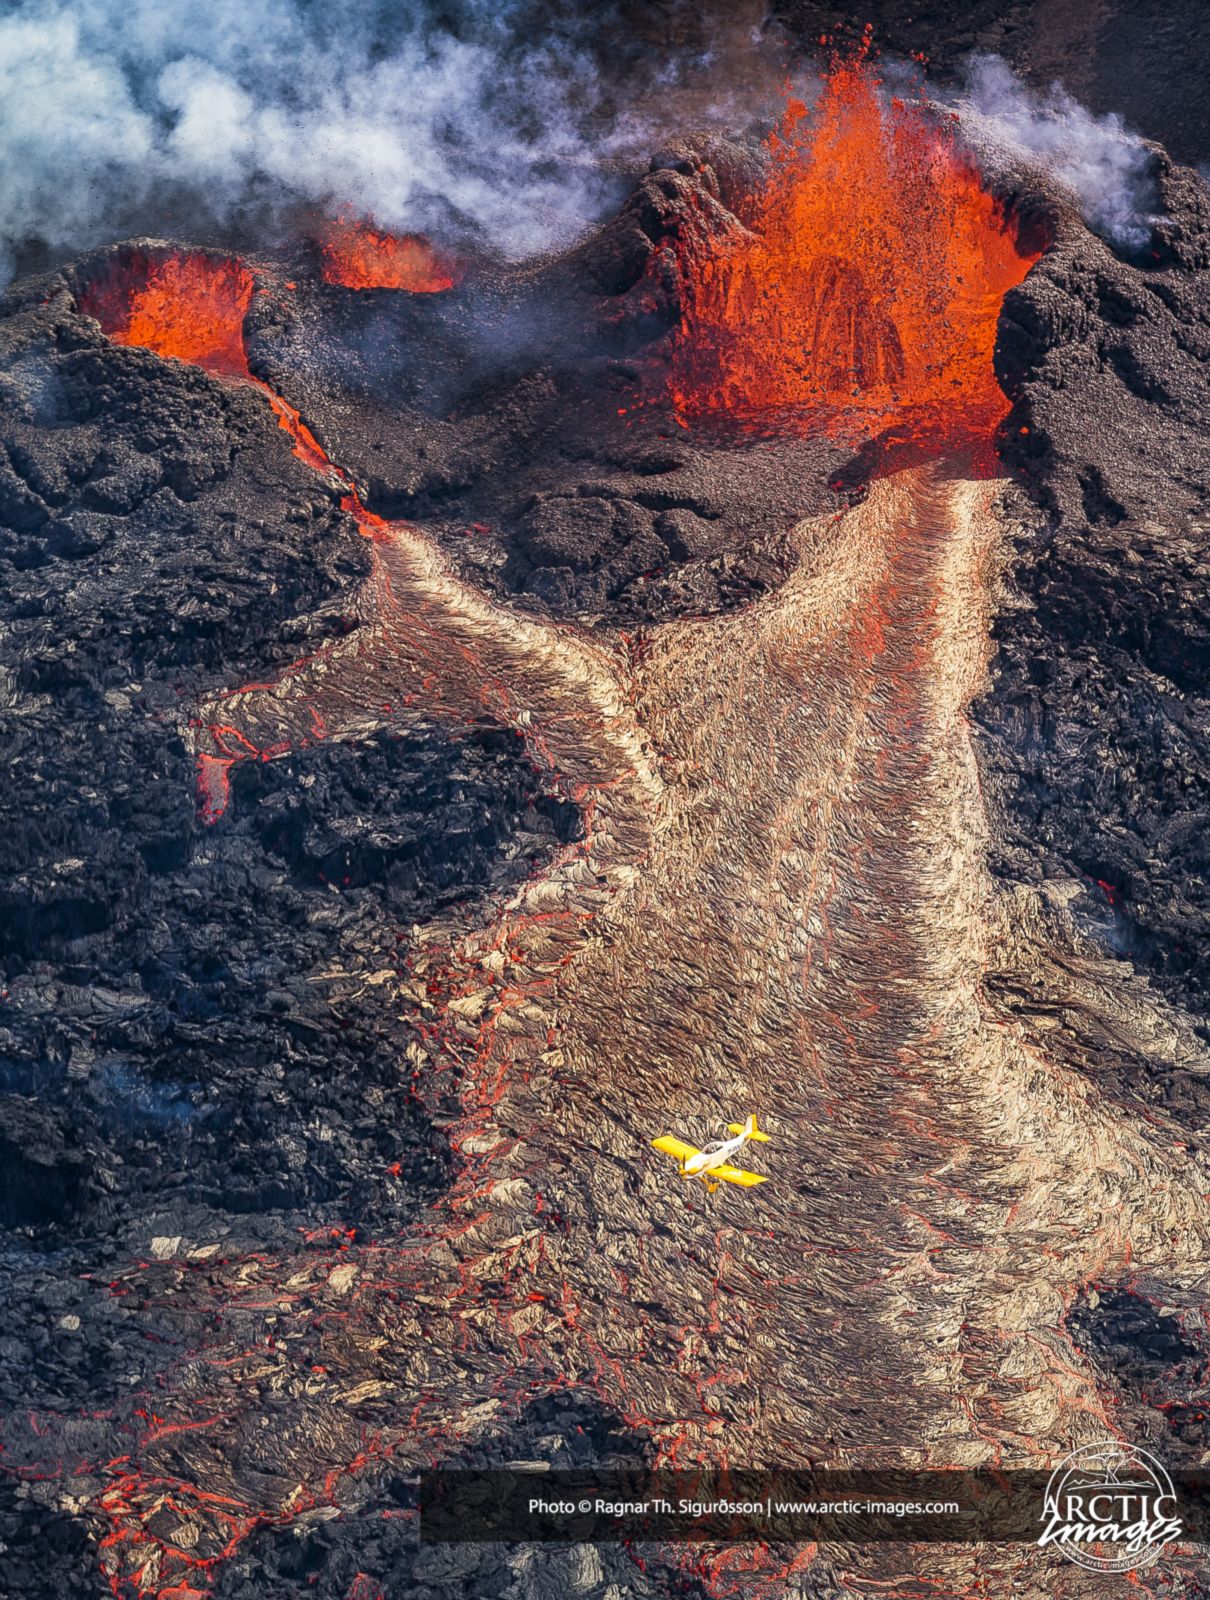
[{"x": 1094, "y": 732}]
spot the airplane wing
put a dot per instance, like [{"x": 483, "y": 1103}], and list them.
[
  {"x": 737, "y": 1175},
  {"x": 673, "y": 1146}
]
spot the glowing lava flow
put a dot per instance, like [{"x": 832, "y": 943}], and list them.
[
  {"x": 780, "y": 901},
  {"x": 191, "y": 306},
  {"x": 185, "y": 304},
  {"x": 360, "y": 257},
  {"x": 865, "y": 285}
]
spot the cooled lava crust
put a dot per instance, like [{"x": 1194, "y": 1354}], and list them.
[{"x": 324, "y": 1101}]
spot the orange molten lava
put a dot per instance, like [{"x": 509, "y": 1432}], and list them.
[
  {"x": 866, "y": 283},
  {"x": 186, "y": 305},
  {"x": 360, "y": 258},
  {"x": 192, "y": 306}
]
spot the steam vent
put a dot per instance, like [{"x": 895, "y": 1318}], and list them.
[{"x": 605, "y": 683}]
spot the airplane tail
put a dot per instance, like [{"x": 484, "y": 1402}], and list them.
[{"x": 749, "y": 1128}]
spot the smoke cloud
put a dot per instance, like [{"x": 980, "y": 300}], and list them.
[
  {"x": 473, "y": 117},
  {"x": 484, "y": 120},
  {"x": 1107, "y": 167}
]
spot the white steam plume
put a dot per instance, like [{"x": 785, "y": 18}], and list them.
[
  {"x": 468, "y": 115},
  {"x": 1105, "y": 165}
]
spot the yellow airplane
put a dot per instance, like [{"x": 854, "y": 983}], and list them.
[{"x": 715, "y": 1160}]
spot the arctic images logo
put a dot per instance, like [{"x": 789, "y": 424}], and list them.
[{"x": 1110, "y": 1507}]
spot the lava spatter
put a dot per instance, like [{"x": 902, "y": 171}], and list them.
[
  {"x": 865, "y": 284},
  {"x": 360, "y": 256},
  {"x": 184, "y": 304}
]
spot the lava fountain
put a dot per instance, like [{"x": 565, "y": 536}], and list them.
[
  {"x": 361, "y": 257},
  {"x": 865, "y": 283}
]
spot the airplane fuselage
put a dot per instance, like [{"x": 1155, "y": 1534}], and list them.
[{"x": 706, "y": 1160}]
